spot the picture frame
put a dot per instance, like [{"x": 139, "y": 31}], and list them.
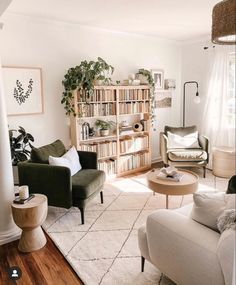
[
  {"x": 23, "y": 90},
  {"x": 163, "y": 99},
  {"x": 158, "y": 77}
]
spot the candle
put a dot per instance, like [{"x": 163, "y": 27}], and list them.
[{"x": 24, "y": 192}]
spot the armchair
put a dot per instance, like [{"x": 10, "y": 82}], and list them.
[
  {"x": 184, "y": 157},
  {"x": 56, "y": 182}
]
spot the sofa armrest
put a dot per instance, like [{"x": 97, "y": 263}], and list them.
[
  {"x": 204, "y": 142},
  {"x": 183, "y": 249},
  {"x": 52, "y": 181},
  {"x": 163, "y": 147},
  {"x": 88, "y": 159},
  {"x": 226, "y": 254}
]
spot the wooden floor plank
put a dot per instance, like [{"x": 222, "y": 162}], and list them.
[{"x": 46, "y": 266}]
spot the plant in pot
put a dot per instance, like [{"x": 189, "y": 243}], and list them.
[
  {"x": 104, "y": 127},
  {"x": 20, "y": 144},
  {"x": 83, "y": 78}
]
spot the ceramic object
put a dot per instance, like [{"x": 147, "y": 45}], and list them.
[{"x": 104, "y": 133}]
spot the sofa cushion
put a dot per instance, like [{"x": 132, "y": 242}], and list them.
[
  {"x": 208, "y": 207},
  {"x": 86, "y": 182},
  {"x": 187, "y": 155},
  {"x": 182, "y": 131},
  {"x": 183, "y": 141},
  {"x": 70, "y": 159},
  {"x": 41, "y": 154}
]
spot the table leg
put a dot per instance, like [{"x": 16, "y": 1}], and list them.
[{"x": 167, "y": 201}]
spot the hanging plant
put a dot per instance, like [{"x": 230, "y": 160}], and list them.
[
  {"x": 148, "y": 75},
  {"x": 83, "y": 77}
]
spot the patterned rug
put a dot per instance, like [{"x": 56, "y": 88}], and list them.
[{"x": 105, "y": 249}]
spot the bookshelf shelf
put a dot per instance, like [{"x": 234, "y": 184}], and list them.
[
  {"x": 118, "y": 153},
  {"x": 134, "y": 152}
]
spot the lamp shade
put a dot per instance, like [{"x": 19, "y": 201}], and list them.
[{"x": 224, "y": 23}]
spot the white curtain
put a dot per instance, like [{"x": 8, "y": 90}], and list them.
[{"x": 215, "y": 121}]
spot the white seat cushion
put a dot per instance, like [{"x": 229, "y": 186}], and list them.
[{"x": 187, "y": 155}]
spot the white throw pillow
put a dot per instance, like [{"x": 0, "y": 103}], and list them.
[
  {"x": 188, "y": 141},
  {"x": 208, "y": 207},
  {"x": 70, "y": 159}
]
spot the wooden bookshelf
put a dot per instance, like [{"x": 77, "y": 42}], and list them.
[{"x": 119, "y": 153}]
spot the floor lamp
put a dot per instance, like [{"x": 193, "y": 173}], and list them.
[{"x": 196, "y": 99}]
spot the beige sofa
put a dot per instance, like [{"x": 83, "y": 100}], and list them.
[{"x": 187, "y": 252}]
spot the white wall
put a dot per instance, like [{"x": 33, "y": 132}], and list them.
[
  {"x": 56, "y": 46},
  {"x": 194, "y": 68}
]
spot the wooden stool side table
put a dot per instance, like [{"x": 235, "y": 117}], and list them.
[
  {"x": 29, "y": 217},
  {"x": 223, "y": 162}
]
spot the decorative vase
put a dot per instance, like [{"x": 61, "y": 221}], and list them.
[
  {"x": 104, "y": 133},
  {"x": 142, "y": 78},
  {"x": 98, "y": 82},
  {"x": 137, "y": 127}
]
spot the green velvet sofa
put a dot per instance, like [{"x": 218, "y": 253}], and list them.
[{"x": 56, "y": 182}]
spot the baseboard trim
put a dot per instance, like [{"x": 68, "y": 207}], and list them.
[{"x": 156, "y": 159}]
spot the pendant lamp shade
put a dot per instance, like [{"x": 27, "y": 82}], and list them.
[{"x": 224, "y": 23}]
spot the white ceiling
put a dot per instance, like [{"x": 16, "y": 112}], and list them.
[{"x": 172, "y": 19}]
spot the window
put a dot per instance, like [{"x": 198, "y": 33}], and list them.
[{"x": 231, "y": 102}]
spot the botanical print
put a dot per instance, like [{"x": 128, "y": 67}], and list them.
[
  {"x": 23, "y": 90},
  {"x": 19, "y": 93}
]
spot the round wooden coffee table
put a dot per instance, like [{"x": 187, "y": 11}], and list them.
[
  {"x": 29, "y": 217},
  {"x": 187, "y": 185}
]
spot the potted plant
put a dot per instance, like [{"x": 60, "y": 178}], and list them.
[
  {"x": 104, "y": 127},
  {"x": 84, "y": 77},
  {"x": 20, "y": 148}
]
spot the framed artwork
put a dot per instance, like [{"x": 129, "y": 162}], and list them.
[
  {"x": 163, "y": 99},
  {"x": 158, "y": 76},
  {"x": 23, "y": 90}
]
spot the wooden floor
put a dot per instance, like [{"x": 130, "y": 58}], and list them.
[{"x": 46, "y": 266}]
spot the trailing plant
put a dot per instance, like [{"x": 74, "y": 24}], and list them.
[
  {"x": 83, "y": 77},
  {"x": 104, "y": 125},
  {"x": 20, "y": 145},
  {"x": 147, "y": 73}
]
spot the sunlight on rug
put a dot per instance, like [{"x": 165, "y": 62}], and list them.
[{"x": 105, "y": 250}]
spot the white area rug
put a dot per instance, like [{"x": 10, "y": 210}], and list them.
[{"x": 105, "y": 249}]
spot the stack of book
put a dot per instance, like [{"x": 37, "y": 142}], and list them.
[
  {"x": 170, "y": 173},
  {"x": 126, "y": 130}
]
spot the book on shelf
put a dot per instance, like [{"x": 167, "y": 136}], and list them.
[
  {"x": 108, "y": 165},
  {"x": 103, "y": 149},
  {"x": 133, "y": 94},
  {"x": 137, "y": 160},
  {"x": 99, "y": 95},
  {"x": 132, "y": 144}
]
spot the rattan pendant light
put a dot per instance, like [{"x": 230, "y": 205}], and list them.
[{"x": 224, "y": 23}]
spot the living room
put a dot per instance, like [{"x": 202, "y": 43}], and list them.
[{"x": 145, "y": 92}]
